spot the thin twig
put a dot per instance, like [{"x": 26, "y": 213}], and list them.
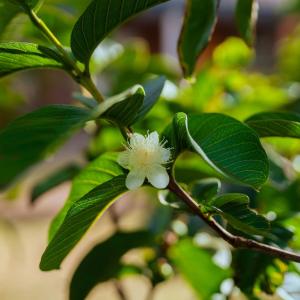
[
  {"x": 234, "y": 241},
  {"x": 81, "y": 77}
]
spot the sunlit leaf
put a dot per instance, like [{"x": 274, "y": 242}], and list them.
[
  {"x": 16, "y": 56},
  {"x": 229, "y": 146},
  {"x": 102, "y": 169},
  {"x": 79, "y": 218}
]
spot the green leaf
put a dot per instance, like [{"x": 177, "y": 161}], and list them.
[
  {"x": 246, "y": 16},
  {"x": 205, "y": 189},
  {"x": 123, "y": 108},
  {"x": 60, "y": 176},
  {"x": 9, "y": 9},
  {"x": 198, "y": 269},
  {"x": 199, "y": 24},
  {"x": 229, "y": 146},
  {"x": 272, "y": 124},
  {"x": 235, "y": 209},
  {"x": 29, "y": 138},
  {"x": 153, "y": 89},
  {"x": 169, "y": 199},
  {"x": 257, "y": 271},
  {"x": 99, "y": 19},
  {"x": 102, "y": 169},
  {"x": 130, "y": 106},
  {"x": 99, "y": 267},
  {"x": 7, "y": 12},
  {"x": 81, "y": 215},
  {"x": 17, "y": 56}
]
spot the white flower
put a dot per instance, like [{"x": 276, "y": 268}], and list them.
[{"x": 144, "y": 157}]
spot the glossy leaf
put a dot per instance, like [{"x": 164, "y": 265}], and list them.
[
  {"x": 230, "y": 147},
  {"x": 280, "y": 124},
  {"x": 29, "y": 138},
  {"x": 102, "y": 169},
  {"x": 17, "y": 56},
  {"x": 99, "y": 267},
  {"x": 235, "y": 209},
  {"x": 60, "y": 176},
  {"x": 199, "y": 24},
  {"x": 246, "y": 16},
  {"x": 99, "y": 19},
  {"x": 197, "y": 268},
  {"x": 79, "y": 218}
]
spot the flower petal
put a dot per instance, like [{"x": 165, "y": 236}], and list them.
[
  {"x": 153, "y": 138},
  {"x": 158, "y": 176},
  {"x": 134, "y": 180},
  {"x": 123, "y": 159},
  {"x": 165, "y": 155},
  {"x": 136, "y": 140}
]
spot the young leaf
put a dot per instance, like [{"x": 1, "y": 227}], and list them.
[
  {"x": 229, "y": 146},
  {"x": 17, "y": 56},
  {"x": 60, "y": 176},
  {"x": 246, "y": 16},
  {"x": 153, "y": 89},
  {"x": 81, "y": 215},
  {"x": 100, "y": 170},
  {"x": 29, "y": 138},
  {"x": 199, "y": 24},
  {"x": 99, "y": 19},
  {"x": 130, "y": 106},
  {"x": 280, "y": 124},
  {"x": 123, "y": 109},
  {"x": 198, "y": 269},
  {"x": 235, "y": 209},
  {"x": 101, "y": 267}
]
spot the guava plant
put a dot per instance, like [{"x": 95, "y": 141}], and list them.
[{"x": 230, "y": 148}]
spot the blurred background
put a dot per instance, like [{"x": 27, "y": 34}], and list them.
[{"x": 231, "y": 78}]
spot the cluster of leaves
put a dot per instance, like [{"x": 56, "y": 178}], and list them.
[{"x": 203, "y": 143}]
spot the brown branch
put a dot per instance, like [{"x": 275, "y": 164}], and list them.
[{"x": 234, "y": 241}]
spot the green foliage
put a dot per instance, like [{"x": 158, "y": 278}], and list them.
[
  {"x": 227, "y": 145},
  {"x": 17, "y": 56},
  {"x": 217, "y": 158},
  {"x": 235, "y": 209},
  {"x": 102, "y": 169},
  {"x": 29, "y": 138},
  {"x": 200, "y": 17},
  {"x": 278, "y": 124},
  {"x": 60, "y": 176},
  {"x": 100, "y": 267},
  {"x": 197, "y": 268},
  {"x": 246, "y": 15},
  {"x": 99, "y": 19},
  {"x": 80, "y": 216}
]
